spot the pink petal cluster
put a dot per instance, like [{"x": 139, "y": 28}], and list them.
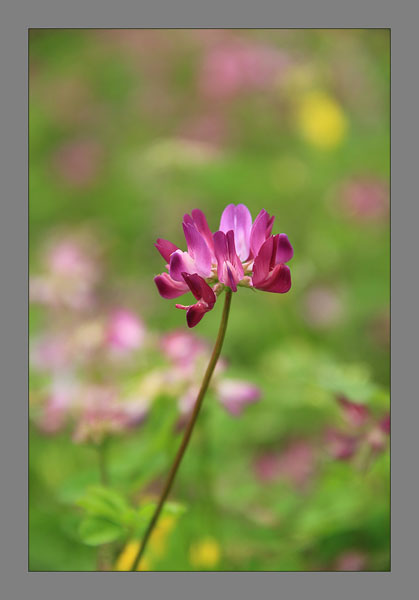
[
  {"x": 126, "y": 331},
  {"x": 362, "y": 429},
  {"x": 242, "y": 252},
  {"x": 235, "y": 67},
  {"x": 189, "y": 356}
]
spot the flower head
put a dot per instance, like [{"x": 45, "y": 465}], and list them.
[{"x": 241, "y": 253}]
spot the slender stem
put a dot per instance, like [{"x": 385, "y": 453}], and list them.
[{"x": 189, "y": 428}]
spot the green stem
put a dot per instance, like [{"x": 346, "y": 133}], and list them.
[{"x": 189, "y": 428}]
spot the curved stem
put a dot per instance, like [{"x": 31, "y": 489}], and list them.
[{"x": 189, "y": 428}]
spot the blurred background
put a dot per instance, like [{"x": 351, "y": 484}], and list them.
[{"x": 288, "y": 469}]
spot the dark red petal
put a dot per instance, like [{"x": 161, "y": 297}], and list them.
[
  {"x": 195, "y": 314},
  {"x": 207, "y": 294},
  {"x": 194, "y": 283}
]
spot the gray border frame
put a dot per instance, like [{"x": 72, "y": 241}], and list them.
[{"x": 16, "y": 581}]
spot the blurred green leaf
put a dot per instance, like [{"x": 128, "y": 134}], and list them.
[{"x": 95, "y": 531}]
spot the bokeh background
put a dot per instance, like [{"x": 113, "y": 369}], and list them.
[{"x": 288, "y": 469}]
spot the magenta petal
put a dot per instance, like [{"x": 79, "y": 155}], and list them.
[
  {"x": 229, "y": 269},
  {"x": 180, "y": 262},
  {"x": 262, "y": 262},
  {"x": 284, "y": 251},
  {"x": 220, "y": 251},
  {"x": 165, "y": 248},
  {"x": 258, "y": 232},
  {"x": 198, "y": 249},
  {"x": 278, "y": 282},
  {"x": 168, "y": 288},
  {"x": 203, "y": 227}
]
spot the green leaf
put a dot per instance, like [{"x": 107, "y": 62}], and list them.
[
  {"x": 105, "y": 502},
  {"x": 95, "y": 531}
]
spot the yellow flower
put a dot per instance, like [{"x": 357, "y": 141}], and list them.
[
  {"x": 158, "y": 539},
  {"x": 127, "y": 557},
  {"x": 157, "y": 546},
  {"x": 321, "y": 120},
  {"x": 205, "y": 553}
]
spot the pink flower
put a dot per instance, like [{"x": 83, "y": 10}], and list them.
[
  {"x": 340, "y": 445},
  {"x": 182, "y": 348},
  {"x": 269, "y": 271},
  {"x": 234, "y": 395},
  {"x": 104, "y": 413},
  {"x": 240, "y": 253},
  {"x": 295, "y": 463},
  {"x": 203, "y": 293},
  {"x": 351, "y": 561},
  {"x": 233, "y": 67},
  {"x": 365, "y": 199},
  {"x": 61, "y": 397},
  {"x": 125, "y": 331},
  {"x": 355, "y": 414}
]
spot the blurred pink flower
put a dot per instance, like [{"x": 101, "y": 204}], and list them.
[
  {"x": 385, "y": 424},
  {"x": 61, "y": 398},
  {"x": 340, "y": 446},
  {"x": 105, "y": 413},
  {"x": 377, "y": 437},
  {"x": 125, "y": 332},
  {"x": 355, "y": 414},
  {"x": 181, "y": 346},
  {"x": 207, "y": 128},
  {"x": 235, "y": 395},
  {"x": 365, "y": 199},
  {"x": 237, "y": 66},
  {"x": 322, "y": 307},
  {"x": 51, "y": 352},
  {"x": 266, "y": 467},
  {"x": 295, "y": 463},
  {"x": 70, "y": 275},
  {"x": 78, "y": 162},
  {"x": 351, "y": 561}
]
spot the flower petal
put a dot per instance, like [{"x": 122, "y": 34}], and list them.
[
  {"x": 261, "y": 230},
  {"x": 238, "y": 219},
  {"x": 198, "y": 249},
  {"x": 195, "y": 313},
  {"x": 284, "y": 251},
  {"x": 229, "y": 267},
  {"x": 181, "y": 262},
  {"x": 262, "y": 262},
  {"x": 199, "y": 288},
  {"x": 199, "y": 220},
  {"x": 168, "y": 288},
  {"x": 165, "y": 248},
  {"x": 235, "y": 394},
  {"x": 278, "y": 282}
]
